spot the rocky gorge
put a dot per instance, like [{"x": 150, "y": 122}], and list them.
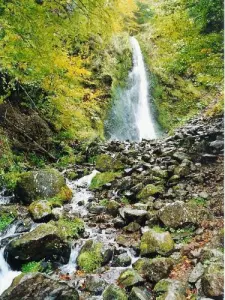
[{"x": 133, "y": 221}]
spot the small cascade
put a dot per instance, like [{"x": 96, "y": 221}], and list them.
[
  {"x": 6, "y": 274},
  {"x": 131, "y": 116}
]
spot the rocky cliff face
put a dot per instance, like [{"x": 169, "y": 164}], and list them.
[{"x": 153, "y": 222}]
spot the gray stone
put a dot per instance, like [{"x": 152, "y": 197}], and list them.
[
  {"x": 122, "y": 260},
  {"x": 196, "y": 273}
]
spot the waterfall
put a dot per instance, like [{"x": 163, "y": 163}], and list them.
[{"x": 130, "y": 117}]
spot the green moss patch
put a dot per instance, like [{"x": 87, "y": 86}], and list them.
[
  {"x": 70, "y": 228},
  {"x": 102, "y": 178},
  {"x": 105, "y": 162},
  {"x": 90, "y": 257}
]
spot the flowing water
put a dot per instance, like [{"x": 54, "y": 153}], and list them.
[
  {"x": 131, "y": 116},
  {"x": 6, "y": 274}
]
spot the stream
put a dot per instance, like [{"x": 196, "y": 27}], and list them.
[{"x": 106, "y": 236}]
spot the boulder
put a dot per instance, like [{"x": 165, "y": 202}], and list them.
[
  {"x": 179, "y": 213},
  {"x": 137, "y": 215},
  {"x": 150, "y": 190},
  {"x": 129, "y": 278},
  {"x": 122, "y": 260},
  {"x": 112, "y": 208},
  {"x": 95, "y": 285},
  {"x": 132, "y": 227},
  {"x": 44, "y": 242},
  {"x": 40, "y": 210},
  {"x": 105, "y": 162},
  {"x": 90, "y": 257},
  {"x": 39, "y": 286},
  {"x": 140, "y": 293},
  {"x": 196, "y": 273},
  {"x": 170, "y": 289},
  {"x": 158, "y": 172},
  {"x": 113, "y": 292},
  {"x": 213, "y": 280},
  {"x": 43, "y": 184},
  {"x": 155, "y": 269},
  {"x": 156, "y": 242}
]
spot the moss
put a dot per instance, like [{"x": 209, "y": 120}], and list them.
[
  {"x": 129, "y": 278},
  {"x": 105, "y": 162},
  {"x": 104, "y": 202},
  {"x": 65, "y": 195},
  {"x": 154, "y": 242},
  {"x": 5, "y": 221},
  {"x": 150, "y": 190},
  {"x": 70, "y": 228},
  {"x": 40, "y": 209},
  {"x": 158, "y": 229},
  {"x": 32, "y": 267},
  {"x": 162, "y": 286},
  {"x": 115, "y": 293},
  {"x": 90, "y": 258},
  {"x": 102, "y": 178},
  {"x": 197, "y": 202}
]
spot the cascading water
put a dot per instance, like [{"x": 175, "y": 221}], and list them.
[
  {"x": 6, "y": 274},
  {"x": 131, "y": 117}
]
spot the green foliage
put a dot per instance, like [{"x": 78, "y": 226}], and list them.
[
  {"x": 104, "y": 202},
  {"x": 5, "y": 220},
  {"x": 183, "y": 46},
  {"x": 198, "y": 201},
  {"x": 32, "y": 267},
  {"x": 102, "y": 178}
]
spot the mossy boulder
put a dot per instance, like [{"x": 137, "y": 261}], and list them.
[
  {"x": 170, "y": 289},
  {"x": 156, "y": 242},
  {"x": 101, "y": 179},
  {"x": 69, "y": 227},
  {"x": 90, "y": 257},
  {"x": 179, "y": 213},
  {"x": 158, "y": 172},
  {"x": 129, "y": 278},
  {"x": 213, "y": 280},
  {"x": 150, "y": 190},
  {"x": 42, "y": 184},
  {"x": 39, "y": 286},
  {"x": 140, "y": 293},
  {"x": 112, "y": 208},
  {"x": 40, "y": 210},
  {"x": 154, "y": 269},
  {"x": 113, "y": 292},
  {"x": 105, "y": 162},
  {"x": 44, "y": 242}
]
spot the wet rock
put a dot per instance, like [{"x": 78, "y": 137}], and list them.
[
  {"x": 95, "y": 284},
  {"x": 170, "y": 289},
  {"x": 40, "y": 210},
  {"x": 150, "y": 190},
  {"x": 196, "y": 273},
  {"x": 122, "y": 260},
  {"x": 132, "y": 227},
  {"x": 179, "y": 213},
  {"x": 128, "y": 240},
  {"x": 213, "y": 280},
  {"x": 140, "y": 293},
  {"x": 41, "y": 184},
  {"x": 118, "y": 222},
  {"x": 39, "y": 286},
  {"x": 156, "y": 242},
  {"x": 217, "y": 145},
  {"x": 44, "y": 242},
  {"x": 23, "y": 226},
  {"x": 113, "y": 292},
  {"x": 136, "y": 215},
  {"x": 96, "y": 209},
  {"x": 113, "y": 208},
  {"x": 155, "y": 269},
  {"x": 182, "y": 170},
  {"x": 129, "y": 278}
]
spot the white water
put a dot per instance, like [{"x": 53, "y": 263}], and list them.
[
  {"x": 131, "y": 117},
  {"x": 6, "y": 274}
]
